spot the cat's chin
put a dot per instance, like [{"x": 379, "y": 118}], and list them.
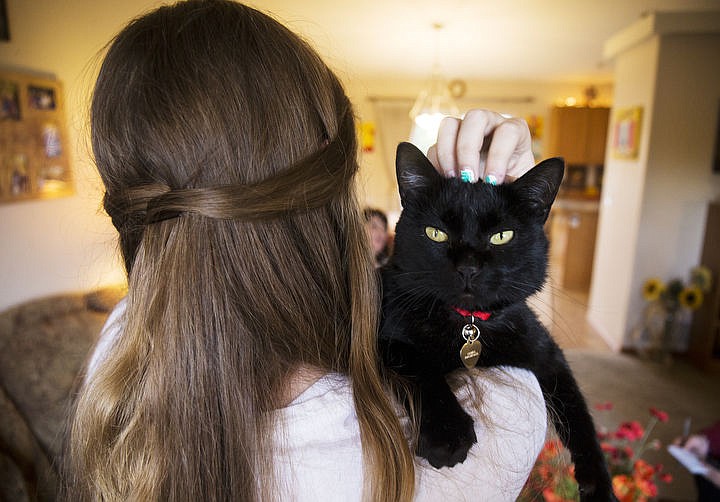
[
  {"x": 468, "y": 302},
  {"x": 465, "y": 301}
]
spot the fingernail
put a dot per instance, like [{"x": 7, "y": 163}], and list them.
[
  {"x": 467, "y": 175},
  {"x": 450, "y": 174},
  {"x": 490, "y": 179}
]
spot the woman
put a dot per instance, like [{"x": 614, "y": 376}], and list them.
[
  {"x": 227, "y": 150},
  {"x": 376, "y": 225},
  {"x": 705, "y": 445}
]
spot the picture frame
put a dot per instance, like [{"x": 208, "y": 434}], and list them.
[
  {"x": 626, "y": 133},
  {"x": 34, "y": 158}
]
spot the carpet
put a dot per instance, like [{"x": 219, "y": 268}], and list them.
[{"x": 634, "y": 385}]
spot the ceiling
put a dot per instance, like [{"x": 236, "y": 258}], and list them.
[{"x": 480, "y": 39}]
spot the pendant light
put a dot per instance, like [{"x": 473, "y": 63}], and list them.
[{"x": 432, "y": 104}]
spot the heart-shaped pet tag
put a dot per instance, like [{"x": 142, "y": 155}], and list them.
[{"x": 470, "y": 353}]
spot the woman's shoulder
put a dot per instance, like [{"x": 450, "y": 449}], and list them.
[
  {"x": 323, "y": 411},
  {"x": 317, "y": 443},
  {"x": 500, "y": 391},
  {"x": 319, "y": 448},
  {"x": 510, "y": 417}
]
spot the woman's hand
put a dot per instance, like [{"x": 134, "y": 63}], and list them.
[
  {"x": 698, "y": 445},
  {"x": 483, "y": 146}
]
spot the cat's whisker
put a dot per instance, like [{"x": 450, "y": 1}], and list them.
[
  {"x": 558, "y": 325},
  {"x": 409, "y": 298}
]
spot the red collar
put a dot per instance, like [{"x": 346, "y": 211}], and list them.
[{"x": 483, "y": 316}]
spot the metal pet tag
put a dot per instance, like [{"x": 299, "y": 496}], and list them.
[{"x": 470, "y": 351}]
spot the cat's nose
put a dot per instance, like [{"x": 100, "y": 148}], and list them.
[{"x": 468, "y": 273}]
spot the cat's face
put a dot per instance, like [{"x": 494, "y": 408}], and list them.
[{"x": 472, "y": 245}]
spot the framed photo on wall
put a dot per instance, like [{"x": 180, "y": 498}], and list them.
[
  {"x": 626, "y": 133},
  {"x": 34, "y": 161}
]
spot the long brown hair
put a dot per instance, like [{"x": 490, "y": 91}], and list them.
[{"x": 227, "y": 149}]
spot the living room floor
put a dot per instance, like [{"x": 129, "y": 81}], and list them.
[
  {"x": 632, "y": 384},
  {"x": 570, "y": 327}
]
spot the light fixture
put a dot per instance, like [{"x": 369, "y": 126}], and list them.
[{"x": 432, "y": 104}]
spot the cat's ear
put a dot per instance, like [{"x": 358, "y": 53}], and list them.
[
  {"x": 539, "y": 186},
  {"x": 414, "y": 170}
]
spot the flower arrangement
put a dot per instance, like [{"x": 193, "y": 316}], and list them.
[
  {"x": 676, "y": 294},
  {"x": 633, "y": 478},
  {"x": 552, "y": 479},
  {"x": 664, "y": 323}
]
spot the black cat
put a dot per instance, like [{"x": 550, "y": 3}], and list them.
[{"x": 467, "y": 256}]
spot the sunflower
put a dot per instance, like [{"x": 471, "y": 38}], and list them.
[
  {"x": 691, "y": 297},
  {"x": 652, "y": 289},
  {"x": 701, "y": 277}
]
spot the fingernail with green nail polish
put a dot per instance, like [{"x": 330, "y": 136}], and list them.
[
  {"x": 491, "y": 179},
  {"x": 467, "y": 175}
]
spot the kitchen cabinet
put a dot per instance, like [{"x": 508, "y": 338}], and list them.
[
  {"x": 578, "y": 134},
  {"x": 572, "y": 243}
]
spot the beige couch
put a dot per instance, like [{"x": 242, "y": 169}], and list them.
[{"x": 43, "y": 346}]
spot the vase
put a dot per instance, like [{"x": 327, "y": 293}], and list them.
[{"x": 654, "y": 336}]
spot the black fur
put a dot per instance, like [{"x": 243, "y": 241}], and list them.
[{"x": 420, "y": 335}]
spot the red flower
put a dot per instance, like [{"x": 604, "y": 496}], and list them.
[
  {"x": 623, "y": 488},
  {"x": 608, "y": 448},
  {"x": 647, "y": 487},
  {"x": 551, "y": 450},
  {"x": 553, "y": 447},
  {"x": 545, "y": 472},
  {"x": 550, "y": 496},
  {"x": 632, "y": 431},
  {"x": 633, "y": 478},
  {"x": 659, "y": 414},
  {"x": 643, "y": 470}
]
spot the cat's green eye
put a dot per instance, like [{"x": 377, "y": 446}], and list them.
[
  {"x": 435, "y": 234},
  {"x": 501, "y": 238}
]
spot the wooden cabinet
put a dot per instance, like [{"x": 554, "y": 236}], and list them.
[
  {"x": 572, "y": 243},
  {"x": 704, "y": 347},
  {"x": 578, "y": 134}
]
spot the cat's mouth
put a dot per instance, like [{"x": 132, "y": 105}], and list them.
[{"x": 468, "y": 301}]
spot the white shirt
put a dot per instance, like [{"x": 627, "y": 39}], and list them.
[{"x": 319, "y": 455}]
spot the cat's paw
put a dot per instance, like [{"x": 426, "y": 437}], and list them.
[
  {"x": 445, "y": 441},
  {"x": 592, "y": 493},
  {"x": 594, "y": 480}
]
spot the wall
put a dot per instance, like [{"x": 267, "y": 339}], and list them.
[
  {"x": 653, "y": 209},
  {"x": 622, "y": 195},
  {"x": 62, "y": 244},
  {"x": 679, "y": 180}
]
